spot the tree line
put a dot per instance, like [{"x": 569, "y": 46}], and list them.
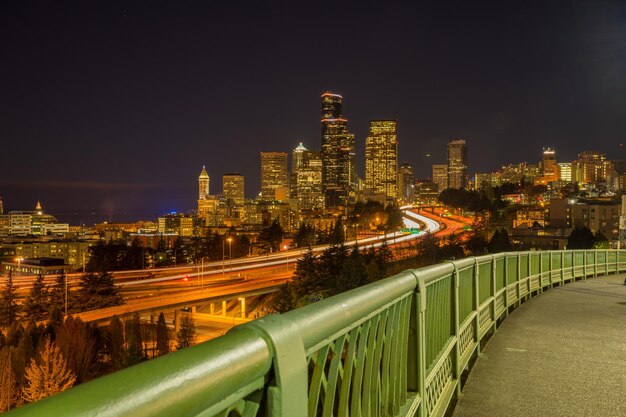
[{"x": 40, "y": 361}]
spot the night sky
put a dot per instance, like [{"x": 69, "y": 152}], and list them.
[{"x": 115, "y": 107}]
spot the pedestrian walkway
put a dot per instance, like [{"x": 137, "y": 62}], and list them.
[{"x": 560, "y": 354}]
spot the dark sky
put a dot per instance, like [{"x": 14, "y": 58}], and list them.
[{"x": 116, "y": 106}]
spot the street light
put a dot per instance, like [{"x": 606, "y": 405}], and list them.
[
  {"x": 285, "y": 248},
  {"x": 19, "y": 263},
  {"x": 230, "y": 254}
]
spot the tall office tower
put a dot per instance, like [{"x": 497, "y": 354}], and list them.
[
  {"x": 440, "y": 176},
  {"x": 457, "y": 164},
  {"x": 309, "y": 182},
  {"x": 338, "y": 154},
  {"x": 590, "y": 167},
  {"x": 207, "y": 203},
  {"x": 296, "y": 163},
  {"x": 203, "y": 184},
  {"x": 233, "y": 188},
  {"x": 406, "y": 183},
  {"x": 274, "y": 178},
  {"x": 381, "y": 159},
  {"x": 565, "y": 171},
  {"x": 548, "y": 165}
]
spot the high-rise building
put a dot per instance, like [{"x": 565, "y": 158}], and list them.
[
  {"x": 457, "y": 164},
  {"x": 565, "y": 171},
  {"x": 406, "y": 183},
  {"x": 233, "y": 188},
  {"x": 338, "y": 153},
  {"x": 207, "y": 204},
  {"x": 274, "y": 178},
  {"x": 309, "y": 182},
  {"x": 203, "y": 184},
  {"x": 548, "y": 164},
  {"x": 296, "y": 163},
  {"x": 440, "y": 176},
  {"x": 381, "y": 159},
  {"x": 590, "y": 167}
]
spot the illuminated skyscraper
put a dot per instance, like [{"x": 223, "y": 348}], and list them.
[
  {"x": 565, "y": 171},
  {"x": 207, "y": 204},
  {"x": 381, "y": 159},
  {"x": 440, "y": 176},
  {"x": 203, "y": 184},
  {"x": 591, "y": 167},
  {"x": 406, "y": 183},
  {"x": 457, "y": 164},
  {"x": 549, "y": 167},
  {"x": 233, "y": 188},
  {"x": 274, "y": 178},
  {"x": 296, "y": 163},
  {"x": 338, "y": 154},
  {"x": 309, "y": 182}
]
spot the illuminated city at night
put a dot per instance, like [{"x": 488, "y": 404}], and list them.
[{"x": 288, "y": 209}]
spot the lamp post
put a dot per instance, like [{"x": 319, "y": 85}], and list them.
[
  {"x": 285, "y": 248},
  {"x": 230, "y": 254},
  {"x": 19, "y": 260},
  {"x": 65, "y": 276},
  {"x": 223, "y": 257}
]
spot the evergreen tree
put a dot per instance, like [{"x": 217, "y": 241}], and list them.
[
  {"x": 98, "y": 290},
  {"x": 353, "y": 272},
  {"x": 134, "y": 351},
  {"x": 115, "y": 343},
  {"x": 394, "y": 218},
  {"x": 8, "y": 383},
  {"x": 57, "y": 292},
  {"x": 272, "y": 235},
  {"x": 284, "y": 300},
  {"x": 79, "y": 345},
  {"x": 162, "y": 336},
  {"x": 305, "y": 278},
  {"x": 9, "y": 308},
  {"x": 14, "y": 334},
  {"x": 48, "y": 374},
  {"x": 22, "y": 355},
  {"x": 187, "y": 333},
  {"x": 337, "y": 236},
  {"x": 500, "y": 242},
  {"x": 38, "y": 301},
  {"x": 55, "y": 319},
  {"x": 580, "y": 238}
]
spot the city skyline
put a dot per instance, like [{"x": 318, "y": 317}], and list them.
[{"x": 119, "y": 128}]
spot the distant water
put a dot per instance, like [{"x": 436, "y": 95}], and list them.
[{"x": 91, "y": 217}]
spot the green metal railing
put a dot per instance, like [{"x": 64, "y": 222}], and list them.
[{"x": 396, "y": 347}]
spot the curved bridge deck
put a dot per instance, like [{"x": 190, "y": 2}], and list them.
[{"x": 560, "y": 354}]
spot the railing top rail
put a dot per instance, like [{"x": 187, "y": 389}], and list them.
[
  {"x": 322, "y": 319},
  {"x": 184, "y": 383}
]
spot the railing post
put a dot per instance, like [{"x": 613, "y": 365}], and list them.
[
  {"x": 563, "y": 268},
  {"x": 289, "y": 397},
  {"x": 540, "y": 277},
  {"x": 457, "y": 336},
  {"x": 595, "y": 263},
  {"x": 506, "y": 284},
  {"x": 550, "y": 270},
  {"x": 477, "y": 305},
  {"x": 606, "y": 261},
  {"x": 494, "y": 276},
  {"x": 421, "y": 344},
  {"x": 519, "y": 279},
  {"x": 584, "y": 264}
]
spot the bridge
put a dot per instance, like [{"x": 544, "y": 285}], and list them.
[{"x": 402, "y": 346}]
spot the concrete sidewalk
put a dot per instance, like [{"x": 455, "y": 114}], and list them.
[{"x": 562, "y": 353}]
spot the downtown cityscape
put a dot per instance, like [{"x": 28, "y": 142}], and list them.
[{"x": 327, "y": 249}]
